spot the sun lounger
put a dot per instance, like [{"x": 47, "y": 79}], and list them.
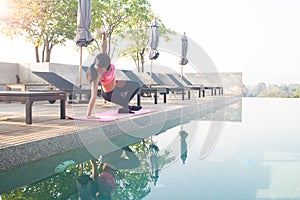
[
  {"x": 180, "y": 83},
  {"x": 23, "y": 86},
  {"x": 30, "y": 97},
  {"x": 164, "y": 81},
  {"x": 145, "y": 89},
  {"x": 193, "y": 79},
  {"x": 63, "y": 84}
]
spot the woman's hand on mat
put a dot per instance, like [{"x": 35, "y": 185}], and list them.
[{"x": 92, "y": 117}]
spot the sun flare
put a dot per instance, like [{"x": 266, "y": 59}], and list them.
[{"x": 3, "y": 7}]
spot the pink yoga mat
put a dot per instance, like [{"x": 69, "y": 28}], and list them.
[{"x": 111, "y": 115}]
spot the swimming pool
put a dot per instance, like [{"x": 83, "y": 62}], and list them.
[{"x": 257, "y": 157}]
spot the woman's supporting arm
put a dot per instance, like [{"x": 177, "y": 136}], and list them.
[{"x": 92, "y": 102}]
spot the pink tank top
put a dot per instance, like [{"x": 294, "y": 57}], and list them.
[
  {"x": 108, "y": 77},
  {"x": 109, "y": 180}
]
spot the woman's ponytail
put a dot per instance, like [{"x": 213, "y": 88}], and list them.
[{"x": 91, "y": 73}]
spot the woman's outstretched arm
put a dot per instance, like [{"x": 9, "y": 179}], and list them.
[{"x": 103, "y": 40}]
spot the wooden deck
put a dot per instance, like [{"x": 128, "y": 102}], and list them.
[{"x": 46, "y": 123}]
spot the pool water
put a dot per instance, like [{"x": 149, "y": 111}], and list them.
[{"x": 257, "y": 157}]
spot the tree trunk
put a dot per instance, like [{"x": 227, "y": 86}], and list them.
[
  {"x": 37, "y": 57},
  {"x": 109, "y": 43},
  {"x": 138, "y": 62},
  {"x": 143, "y": 70},
  {"x": 142, "y": 54},
  {"x": 48, "y": 52},
  {"x": 43, "y": 53},
  {"x": 48, "y": 56}
]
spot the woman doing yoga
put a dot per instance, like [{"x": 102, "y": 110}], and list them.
[{"x": 119, "y": 92}]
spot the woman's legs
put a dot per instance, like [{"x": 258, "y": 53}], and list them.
[
  {"x": 116, "y": 160},
  {"x": 124, "y": 92},
  {"x": 115, "y": 97},
  {"x": 130, "y": 89}
]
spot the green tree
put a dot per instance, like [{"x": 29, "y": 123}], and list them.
[
  {"x": 125, "y": 19},
  {"x": 246, "y": 92},
  {"x": 297, "y": 93},
  {"x": 138, "y": 32},
  {"x": 259, "y": 88},
  {"x": 139, "y": 36},
  {"x": 273, "y": 90},
  {"x": 111, "y": 15},
  {"x": 43, "y": 23}
]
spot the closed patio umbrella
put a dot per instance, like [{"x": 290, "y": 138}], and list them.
[
  {"x": 154, "y": 166},
  {"x": 183, "y": 146},
  {"x": 154, "y": 39},
  {"x": 184, "y": 49},
  {"x": 83, "y": 36}
]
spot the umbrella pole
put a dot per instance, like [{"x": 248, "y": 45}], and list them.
[
  {"x": 151, "y": 73},
  {"x": 80, "y": 66},
  {"x": 80, "y": 71},
  {"x": 181, "y": 73}
]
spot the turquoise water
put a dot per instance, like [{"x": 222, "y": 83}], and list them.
[{"x": 256, "y": 158}]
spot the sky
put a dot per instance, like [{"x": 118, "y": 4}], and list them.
[{"x": 260, "y": 38}]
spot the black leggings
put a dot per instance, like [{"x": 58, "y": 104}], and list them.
[{"x": 122, "y": 93}]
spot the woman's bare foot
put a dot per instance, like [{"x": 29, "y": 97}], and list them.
[
  {"x": 125, "y": 110},
  {"x": 135, "y": 108}
]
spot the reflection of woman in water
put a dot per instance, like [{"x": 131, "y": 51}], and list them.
[
  {"x": 154, "y": 165},
  {"x": 102, "y": 185},
  {"x": 86, "y": 188}
]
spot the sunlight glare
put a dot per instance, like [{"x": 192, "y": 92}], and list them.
[{"x": 3, "y": 7}]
